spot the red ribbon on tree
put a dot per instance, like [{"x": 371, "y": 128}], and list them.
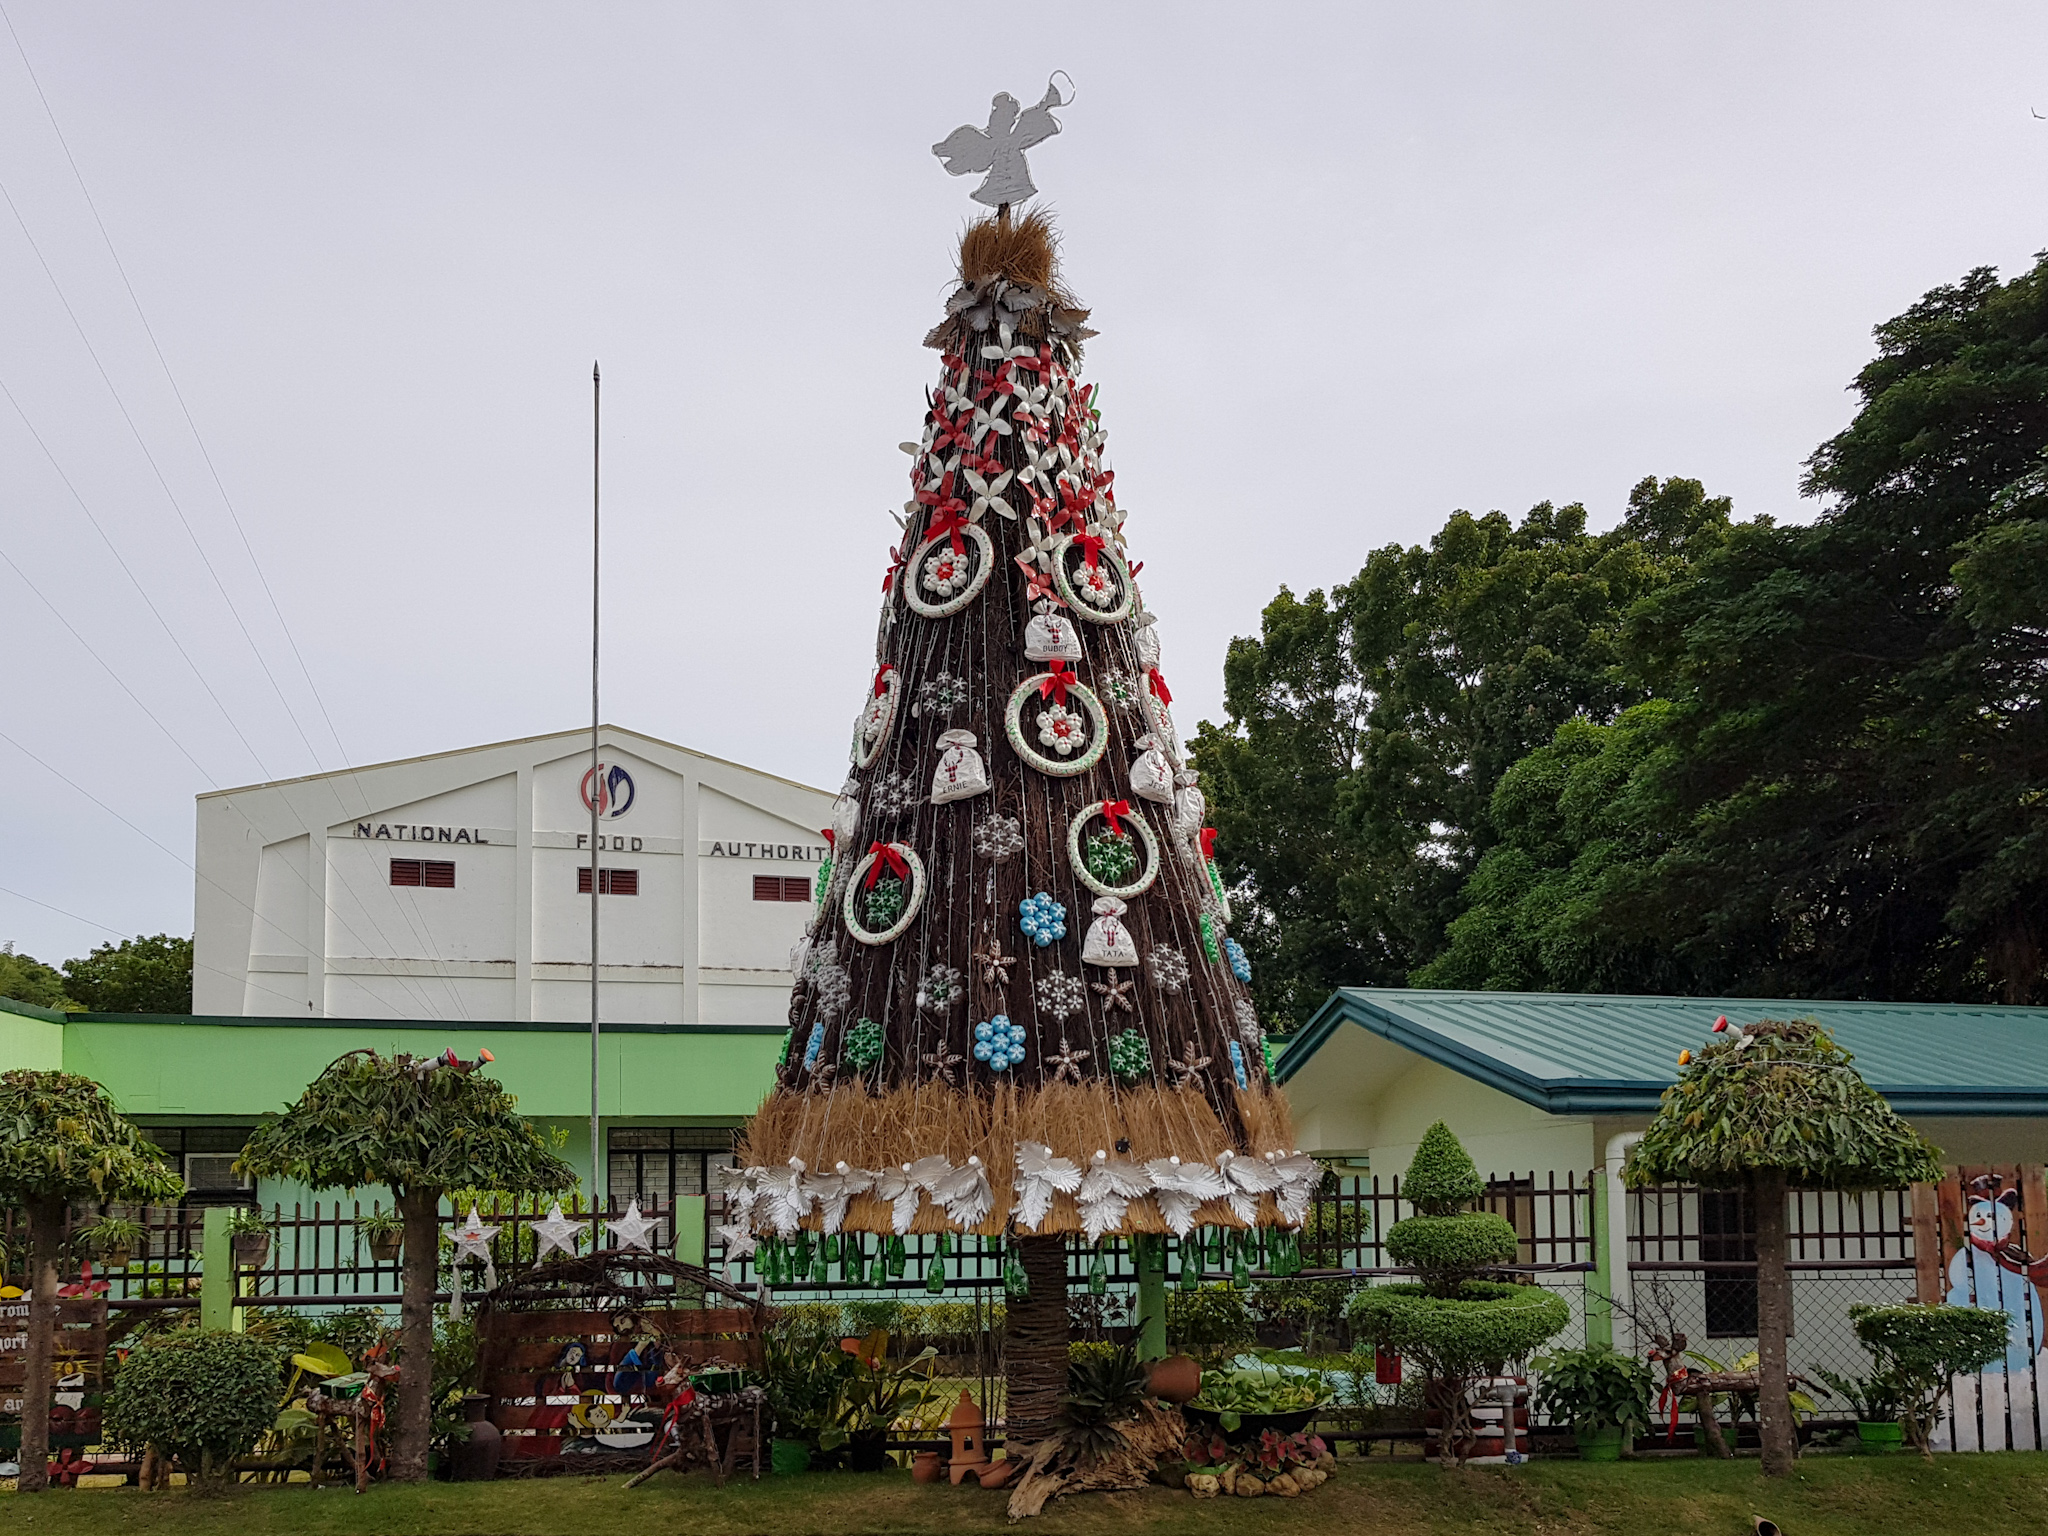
[
  {"x": 886, "y": 857},
  {"x": 950, "y": 519},
  {"x": 895, "y": 565},
  {"x": 1209, "y": 843},
  {"x": 1090, "y": 546},
  {"x": 831, "y": 838},
  {"x": 882, "y": 677},
  {"x": 1157, "y": 684},
  {"x": 1057, "y": 682},
  {"x": 1112, "y": 809}
]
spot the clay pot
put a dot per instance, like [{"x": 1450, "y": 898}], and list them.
[
  {"x": 924, "y": 1467},
  {"x": 1175, "y": 1379},
  {"x": 997, "y": 1473},
  {"x": 385, "y": 1247}
]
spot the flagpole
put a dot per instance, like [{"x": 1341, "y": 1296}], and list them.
[{"x": 597, "y": 1167}]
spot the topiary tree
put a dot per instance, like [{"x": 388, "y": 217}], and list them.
[
  {"x": 421, "y": 1126},
  {"x": 62, "y": 1140},
  {"x": 201, "y": 1399},
  {"x": 1452, "y": 1325},
  {"x": 1924, "y": 1349},
  {"x": 1775, "y": 1107}
]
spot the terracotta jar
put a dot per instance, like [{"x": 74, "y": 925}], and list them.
[
  {"x": 1176, "y": 1379},
  {"x": 924, "y": 1467}
]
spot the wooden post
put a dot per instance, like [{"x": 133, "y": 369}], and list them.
[
  {"x": 1927, "y": 1254},
  {"x": 1148, "y": 1252}
]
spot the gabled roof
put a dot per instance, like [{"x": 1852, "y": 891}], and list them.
[{"x": 1578, "y": 1053}]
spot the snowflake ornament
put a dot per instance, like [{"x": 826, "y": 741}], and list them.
[
  {"x": 942, "y": 1062},
  {"x": 1060, "y": 995},
  {"x": 995, "y": 965},
  {"x": 1114, "y": 994},
  {"x": 941, "y": 695},
  {"x": 1237, "y": 1064},
  {"x": 1119, "y": 688},
  {"x": 1248, "y": 1023},
  {"x": 999, "y": 1043},
  {"x": 893, "y": 794},
  {"x": 1066, "y": 1066},
  {"x": 1189, "y": 1070},
  {"x": 1043, "y": 920},
  {"x": 1240, "y": 962},
  {"x": 1168, "y": 968},
  {"x": 941, "y": 988},
  {"x": 999, "y": 838},
  {"x": 863, "y": 1047},
  {"x": 832, "y": 988}
]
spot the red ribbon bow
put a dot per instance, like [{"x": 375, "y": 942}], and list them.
[
  {"x": 886, "y": 857},
  {"x": 1208, "y": 842},
  {"x": 1112, "y": 809},
  {"x": 882, "y": 677},
  {"x": 950, "y": 519},
  {"x": 831, "y": 837},
  {"x": 1090, "y": 546},
  {"x": 1158, "y": 686},
  {"x": 1057, "y": 682},
  {"x": 895, "y": 565}
]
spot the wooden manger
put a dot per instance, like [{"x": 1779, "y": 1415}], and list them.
[{"x": 581, "y": 1358}]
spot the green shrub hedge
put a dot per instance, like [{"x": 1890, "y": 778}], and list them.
[
  {"x": 201, "y": 1398},
  {"x": 1479, "y": 1331}
]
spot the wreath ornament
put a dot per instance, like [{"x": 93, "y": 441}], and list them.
[
  {"x": 899, "y": 861},
  {"x": 1066, "y": 719},
  {"x": 1120, "y": 816},
  {"x": 1092, "y": 578},
  {"x": 871, "y": 731},
  {"x": 948, "y": 570}
]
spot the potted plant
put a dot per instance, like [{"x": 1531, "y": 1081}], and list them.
[
  {"x": 1603, "y": 1394},
  {"x": 872, "y": 1397},
  {"x": 802, "y": 1366},
  {"x": 249, "y": 1235},
  {"x": 384, "y": 1231},
  {"x": 1879, "y": 1400},
  {"x": 113, "y": 1240}
]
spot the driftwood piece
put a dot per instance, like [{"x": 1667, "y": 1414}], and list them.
[{"x": 1056, "y": 1468}]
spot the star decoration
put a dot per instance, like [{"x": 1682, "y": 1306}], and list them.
[
  {"x": 473, "y": 1241},
  {"x": 1115, "y": 994},
  {"x": 995, "y": 965},
  {"x": 555, "y": 1232},
  {"x": 1189, "y": 1068},
  {"x": 942, "y": 1062},
  {"x": 821, "y": 1073},
  {"x": 1067, "y": 1064},
  {"x": 632, "y": 1228}
]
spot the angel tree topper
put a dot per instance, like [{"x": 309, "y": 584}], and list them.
[{"x": 999, "y": 148}]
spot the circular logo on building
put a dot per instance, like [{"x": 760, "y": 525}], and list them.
[{"x": 614, "y": 790}]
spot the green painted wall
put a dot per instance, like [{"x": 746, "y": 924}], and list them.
[
  {"x": 30, "y": 1037},
  {"x": 209, "y": 1069}
]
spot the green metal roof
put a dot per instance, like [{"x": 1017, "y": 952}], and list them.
[{"x": 1578, "y": 1053}]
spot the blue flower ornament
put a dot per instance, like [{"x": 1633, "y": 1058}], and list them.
[
  {"x": 1043, "y": 920},
  {"x": 999, "y": 1043}
]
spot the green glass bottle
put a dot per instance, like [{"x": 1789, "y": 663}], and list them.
[
  {"x": 1190, "y": 1264},
  {"x": 935, "y": 1272},
  {"x": 898, "y": 1259},
  {"x": 1098, "y": 1274},
  {"x": 831, "y": 1241},
  {"x": 1016, "y": 1283}
]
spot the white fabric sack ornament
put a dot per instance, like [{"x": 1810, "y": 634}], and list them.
[
  {"x": 961, "y": 774},
  {"x": 1190, "y": 807},
  {"x": 1151, "y": 773},
  {"x": 1109, "y": 941},
  {"x": 846, "y": 819},
  {"x": 1146, "y": 639},
  {"x": 1051, "y": 636}
]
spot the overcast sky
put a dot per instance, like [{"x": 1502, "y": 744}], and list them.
[{"x": 1354, "y": 266}]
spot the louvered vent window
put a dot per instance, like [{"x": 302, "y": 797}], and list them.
[
  {"x": 610, "y": 882},
  {"x": 436, "y": 874},
  {"x": 782, "y": 888}
]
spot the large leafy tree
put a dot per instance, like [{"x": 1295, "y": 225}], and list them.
[
  {"x": 1857, "y": 752},
  {"x": 138, "y": 975},
  {"x": 27, "y": 980},
  {"x": 1776, "y": 1108},
  {"x": 62, "y": 1141},
  {"x": 421, "y": 1126},
  {"x": 1352, "y": 784}
]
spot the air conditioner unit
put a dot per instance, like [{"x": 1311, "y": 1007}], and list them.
[{"x": 209, "y": 1173}]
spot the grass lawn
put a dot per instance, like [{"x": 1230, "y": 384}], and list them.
[{"x": 1827, "y": 1496}]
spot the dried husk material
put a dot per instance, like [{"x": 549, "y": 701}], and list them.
[
  {"x": 849, "y": 1123},
  {"x": 1022, "y": 250}
]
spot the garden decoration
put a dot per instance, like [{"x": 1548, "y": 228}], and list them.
[
  {"x": 555, "y": 1233},
  {"x": 1454, "y": 1325},
  {"x": 420, "y": 1125},
  {"x": 473, "y": 1241},
  {"x": 1767, "y": 1109},
  {"x": 1035, "y": 716},
  {"x": 61, "y": 1140},
  {"x": 1923, "y": 1349}
]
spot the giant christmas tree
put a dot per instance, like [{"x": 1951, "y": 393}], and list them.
[{"x": 1018, "y": 1007}]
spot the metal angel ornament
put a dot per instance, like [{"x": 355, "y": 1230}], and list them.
[{"x": 999, "y": 148}]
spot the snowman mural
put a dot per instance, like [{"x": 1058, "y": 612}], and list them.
[{"x": 1994, "y": 1272}]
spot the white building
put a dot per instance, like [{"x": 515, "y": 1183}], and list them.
[{"x": 455, "y": 887}]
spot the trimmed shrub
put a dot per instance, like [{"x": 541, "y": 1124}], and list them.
[
  {"x": 1441, "y": 1179},
  {"x": 1925, "y": 1348},
  {"x": 1209, "y": 1321},
  {"x": 1448, "y": 1248},
  {"x": 1478, "y": 1332},
  {"x": 201, "y": 1398}
]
